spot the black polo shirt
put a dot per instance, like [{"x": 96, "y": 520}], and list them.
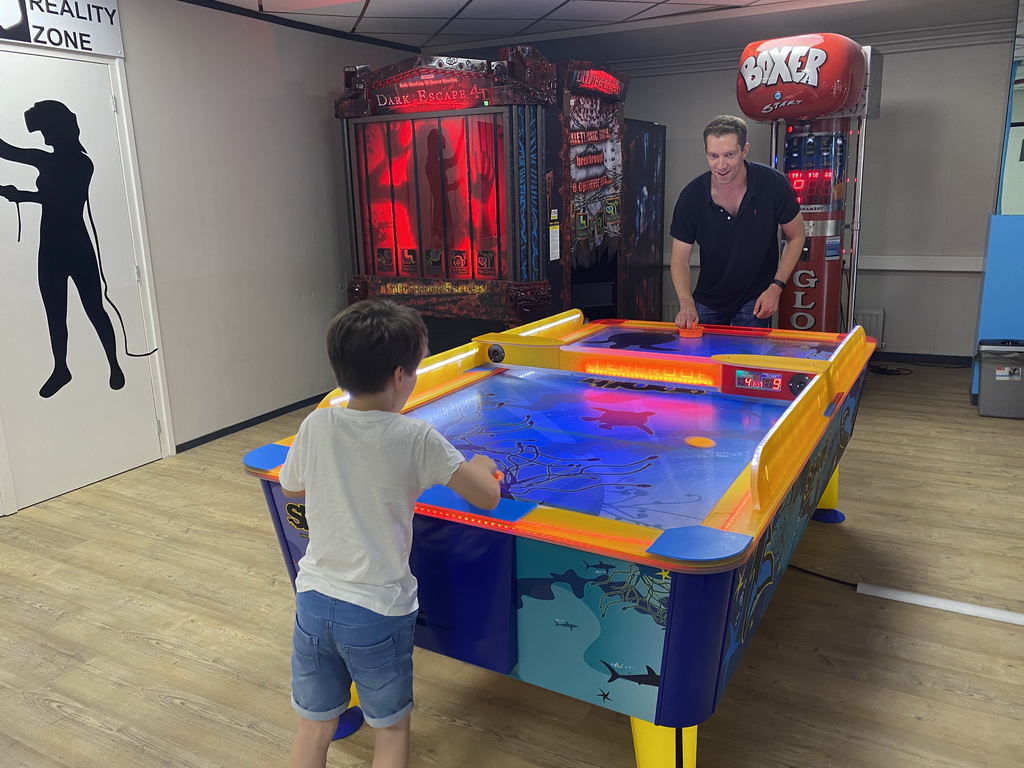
[{"x": 738, "y": 254}]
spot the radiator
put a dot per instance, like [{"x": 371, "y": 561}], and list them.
[
  {"x": 669, "y": 312},
  {"x": 873, "y": 321}
]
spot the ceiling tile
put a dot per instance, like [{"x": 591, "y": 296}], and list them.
[
  {"x": 669, "y": 9},
  {"x": 503, "y": 9},
  {"x": 446, "y": 39},
  {"x": 556, "y": 25},
  {"x": 718, "y": 3},
  {"x": 370, "y": 25},
  {"x": 596, "y": 10},
  {"x": 445, "y": 8},
  {"x": 416, "y": 40},
  {"x": 485, "y": 27},
  {"x": 350, "y": 8}
]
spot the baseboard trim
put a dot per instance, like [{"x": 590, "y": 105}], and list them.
[{"x": 189, "y": 444}]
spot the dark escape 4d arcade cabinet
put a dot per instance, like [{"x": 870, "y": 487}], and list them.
[{"x": 486, "y": 196}]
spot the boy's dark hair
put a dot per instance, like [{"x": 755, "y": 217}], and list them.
[
  {"x": 723, "y": 125},
  {"x": 369, "y": 340}
]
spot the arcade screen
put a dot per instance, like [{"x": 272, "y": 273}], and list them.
[
  {"x": 815, "y": 165},
  {"x": 430, "y": 195}
]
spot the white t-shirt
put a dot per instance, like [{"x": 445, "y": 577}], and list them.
[{"x": 362, "y": 472}]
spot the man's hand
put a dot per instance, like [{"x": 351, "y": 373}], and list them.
[
  {"x": 768, "y": 302},
  {"x": 686, "y": 317}
]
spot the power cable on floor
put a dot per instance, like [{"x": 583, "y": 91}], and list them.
[
  {"x": 886, "y": 370},
  {"x": 823, "y": 576}
]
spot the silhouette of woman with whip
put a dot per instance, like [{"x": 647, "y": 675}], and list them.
[{"x": 65, "y": 250}]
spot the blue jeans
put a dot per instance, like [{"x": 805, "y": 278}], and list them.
[
  {"x": 337, "y": 643},
  {"x": 743, "y": 316}
]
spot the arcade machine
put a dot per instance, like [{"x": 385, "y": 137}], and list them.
[
  {"x": 611, "y": 195},
  {"x": 817, "y": 91},
  {"x": 459, "y": 169},
  {"x": 642, "y": 272}
]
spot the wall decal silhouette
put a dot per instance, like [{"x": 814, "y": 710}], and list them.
[{"x": 66, "y": 251}]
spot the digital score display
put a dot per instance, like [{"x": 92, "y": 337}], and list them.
[
  {"x": 812, "y": 187},
  {"x": 759, "y": 380},
  {"x": 815, "y": 164}
]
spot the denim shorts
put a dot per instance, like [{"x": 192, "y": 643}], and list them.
[
  {"x": 337, "y": 643},
  {"x": 743, "y": 316}
]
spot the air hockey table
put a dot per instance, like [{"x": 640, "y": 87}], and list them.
[{"x": 655, "y": 487}]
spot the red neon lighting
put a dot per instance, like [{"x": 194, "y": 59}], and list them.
[
  {"x": 431, "y": 197},
  {"x": 596, "y": 80},
  {"x": 635, "y": 366},
  {"x": 740, "y": 506}
]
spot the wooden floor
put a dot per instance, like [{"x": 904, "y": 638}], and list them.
[{"x": 146, "y": 621}]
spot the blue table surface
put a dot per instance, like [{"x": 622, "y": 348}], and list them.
[{"x": 617, "y": 453}]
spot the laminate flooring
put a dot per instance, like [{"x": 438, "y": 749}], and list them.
[{"x": 145, "y": 621}]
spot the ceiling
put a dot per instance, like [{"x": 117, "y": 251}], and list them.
[{"x": 612, "y": 30}]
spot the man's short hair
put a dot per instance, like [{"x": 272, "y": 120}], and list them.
[
  {"x": 723, "y": 125},
  {"x": 369, "y": 340}
]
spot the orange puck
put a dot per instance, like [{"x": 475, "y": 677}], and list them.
[
  {"x": 700, "y": 442},
  {"x": 691, "y": 333}
]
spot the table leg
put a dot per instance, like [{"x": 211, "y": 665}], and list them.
[
  {"x": 658, "y": 746},
  {"x": 827, "y": 511},
  {"x": 351, "y": 719}
]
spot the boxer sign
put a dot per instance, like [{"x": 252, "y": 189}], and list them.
[{"x": 801, "y": 77}]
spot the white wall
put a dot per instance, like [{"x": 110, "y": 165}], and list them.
[
  {"x": 243, "y": 185},
  {"x": 932, "y": 165}
]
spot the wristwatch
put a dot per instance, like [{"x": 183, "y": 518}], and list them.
[{"x": 779, "y": 283}]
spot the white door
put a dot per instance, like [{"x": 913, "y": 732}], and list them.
[{"x": 78, "y": 400}]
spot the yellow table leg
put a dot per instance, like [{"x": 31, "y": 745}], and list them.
[
  {"x": 658, "y": 746},
  {"x": 828, "y": 506},
  {"x": 830, "y": 498}
]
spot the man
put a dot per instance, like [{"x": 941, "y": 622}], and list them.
[{"x": 734, "y": 211}]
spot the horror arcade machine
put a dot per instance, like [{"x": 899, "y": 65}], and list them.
[
  {"x": 817, "y": 91},
  {"x": 486, "y": 196}
]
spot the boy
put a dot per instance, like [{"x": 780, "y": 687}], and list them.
[{"x": 361, "y": 469}]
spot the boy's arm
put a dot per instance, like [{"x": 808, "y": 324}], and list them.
[
  {"x": 475, "y": 481},
  {"x": 292, "y": 494}
]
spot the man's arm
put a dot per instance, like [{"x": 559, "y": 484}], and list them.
[
  {"x": 795, "y": 233},
  {"x": 680, "y": 270},
  {"x": 768, "y": 302}
]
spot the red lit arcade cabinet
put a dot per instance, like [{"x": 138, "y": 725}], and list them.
[
  {"x": 481, "y": 203},
  {"x": 817, "y": 91}
]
